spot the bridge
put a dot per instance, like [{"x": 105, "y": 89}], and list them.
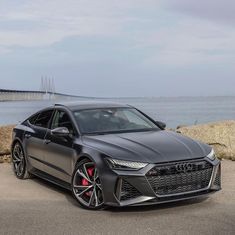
[
  {"x": 46, "y": 92},
  {"x": 17, "y": 95}
]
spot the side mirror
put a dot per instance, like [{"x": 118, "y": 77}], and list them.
[
  {"x": 60, "y": 131},
  {"x": 162, "y": 125}
]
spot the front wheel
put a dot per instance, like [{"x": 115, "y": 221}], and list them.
[{"x": 86, "y": 185}]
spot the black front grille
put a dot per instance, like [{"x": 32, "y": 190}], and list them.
[
  {"x": 175, "y": 178},
  {"x": 128, "y": 191}
]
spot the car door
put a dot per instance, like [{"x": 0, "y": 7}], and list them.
[
  {"x": 34, "y": 138},
  {"x": 59, "y": 150}
]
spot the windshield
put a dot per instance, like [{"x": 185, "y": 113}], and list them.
[{"x": 111, "y": 120}]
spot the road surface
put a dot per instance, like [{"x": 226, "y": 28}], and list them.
[{"x": 37, "y": 207}]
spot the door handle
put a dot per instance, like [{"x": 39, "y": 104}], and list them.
[
  {"x": 27, "y": 136},
  {"x": 47, "y": 141}
]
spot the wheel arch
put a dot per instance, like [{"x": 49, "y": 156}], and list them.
[
  {"x": 85, "y": 152},
  {"x": 82, "y": 157},
  {"x": 18, "y": 140}
]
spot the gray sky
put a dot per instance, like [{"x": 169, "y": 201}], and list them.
[{"x": 119, "y": 48}]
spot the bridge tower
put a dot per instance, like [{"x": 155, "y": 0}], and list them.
[{"x": 47, "y": 85}]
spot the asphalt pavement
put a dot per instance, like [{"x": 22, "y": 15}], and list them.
[{"x": 37, "y": 207}]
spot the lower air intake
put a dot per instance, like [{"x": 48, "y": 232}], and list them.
[
  {"x": 128, "y": 191},
  {"x": 217, "y": 181}
]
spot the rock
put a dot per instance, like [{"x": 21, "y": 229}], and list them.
[
  {"x": 220, "y": 135},
  {"x": 180, "y": 126},
  {"x": 5, "y": 158},
  {"x": 5, "y": 139}
]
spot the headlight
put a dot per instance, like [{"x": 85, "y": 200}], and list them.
[
  {"x": 125, "y": 165},
  {"x": 211, "y": 155}
]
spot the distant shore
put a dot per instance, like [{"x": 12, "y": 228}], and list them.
[{"x": 219, "y": 135}]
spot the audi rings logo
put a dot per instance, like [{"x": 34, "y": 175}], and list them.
[{"x": 184, "y": 167}]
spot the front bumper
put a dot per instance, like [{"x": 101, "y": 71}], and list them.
[{"x": 133, "y": 188}]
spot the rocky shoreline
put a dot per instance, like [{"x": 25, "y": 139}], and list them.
[
  {"x": 5, "y": 142},
  {"x": 220, "y": 135}
]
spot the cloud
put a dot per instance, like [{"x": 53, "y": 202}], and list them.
[
  {"x": 219, "y": 11},
  {"x": 187, "y": 42},
  {"x": 3, "y": 50},
  {"x": 150, "y": 35},
  {"x": 46, "y": 22}
]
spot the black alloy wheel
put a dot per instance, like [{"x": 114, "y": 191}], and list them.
[
  {"x": 19, "y": 162},
  {"x": 86, "y": 185}
]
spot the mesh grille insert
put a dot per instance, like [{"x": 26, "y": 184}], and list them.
[
  {"x": 128, "y": 191},
  {"x": 171, "y": 179},
  {"x": 217, "y": 181}
]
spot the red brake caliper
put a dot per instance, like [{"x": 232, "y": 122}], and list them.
[{"x": 85, "y": 182}]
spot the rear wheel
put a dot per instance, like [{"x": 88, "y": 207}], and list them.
[
  {"x": 19, "y": 162},
  {"x": 86, "y": 185}
]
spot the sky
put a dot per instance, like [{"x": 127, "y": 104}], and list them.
[{"x": 122, "y": 48}]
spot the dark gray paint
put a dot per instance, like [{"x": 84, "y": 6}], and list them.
[{"x": 54, "y": 158}]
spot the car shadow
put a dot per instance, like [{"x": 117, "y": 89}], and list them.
[
  {"x": 67, "y": 193},
  {"x": 49, "y": 185}
]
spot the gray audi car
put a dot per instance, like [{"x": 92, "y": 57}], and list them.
[{"x": 112, "y": 154}]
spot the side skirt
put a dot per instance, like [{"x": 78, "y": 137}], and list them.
[{"x": 51, "y": 179}]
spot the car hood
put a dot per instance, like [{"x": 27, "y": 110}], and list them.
[{"x": 151, "y": 146}]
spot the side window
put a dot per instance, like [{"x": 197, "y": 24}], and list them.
[
  {"x": 43, "y": 119},
  {"x": 33, "y": 119},
  {"x": 61, "y": 119}
]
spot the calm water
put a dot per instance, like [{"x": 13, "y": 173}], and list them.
[{"x": 173, "y": 111}]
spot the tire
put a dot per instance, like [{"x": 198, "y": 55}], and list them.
[
  {"x": 86, "y": 185},
  {"x": 19, "y": 162}
]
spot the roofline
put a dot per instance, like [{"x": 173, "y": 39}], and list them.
[{"x": 90, "y": 105}]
